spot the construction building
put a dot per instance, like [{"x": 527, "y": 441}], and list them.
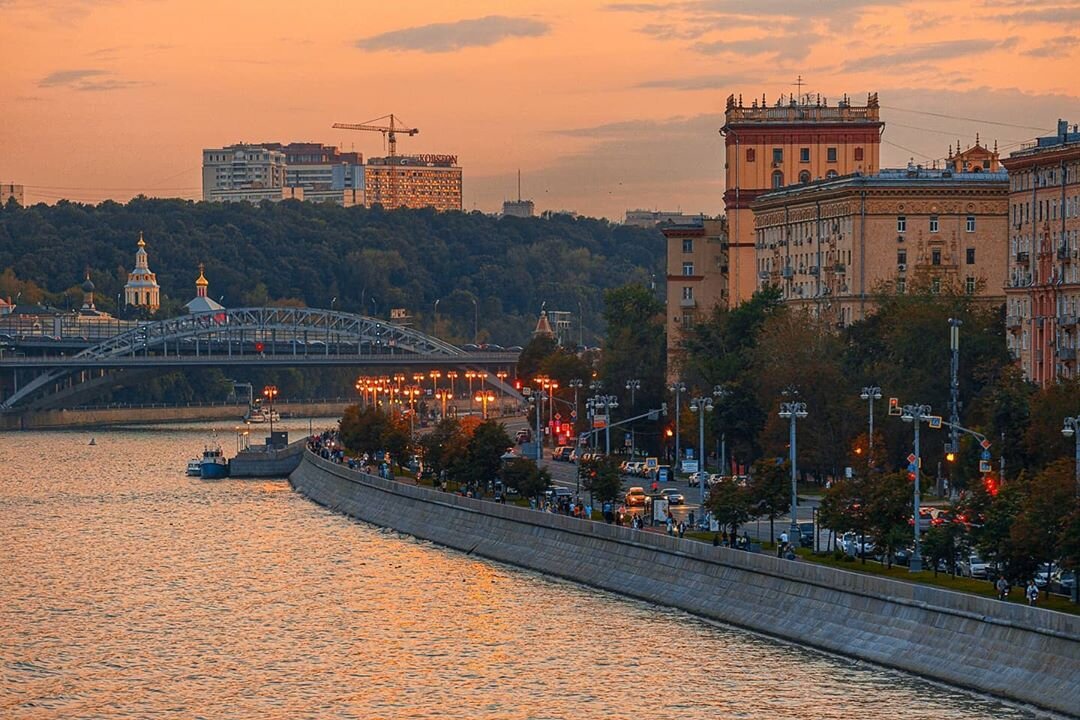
[
  {"x": 1042, "y": 288},
  {"x": 413, "y": 181},
  {"x": 830, "y": 245},
  {"x": 793, "y": 142}
]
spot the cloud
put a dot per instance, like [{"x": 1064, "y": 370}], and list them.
[
  {"x": 86, "y": 80},
  {"x": 918, "y": 54},
  {"x": 785, "y": 47},
  {"x": 699, "y": 82},
  {"x": 448, "y": 37},
  {"x": 1057, "y": 46},
  {"x": 1062, "y": 13}
]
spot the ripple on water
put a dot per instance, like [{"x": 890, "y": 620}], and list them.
[{"x": 131, "y": 591}]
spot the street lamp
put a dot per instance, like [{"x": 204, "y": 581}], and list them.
[
  {"x": 606, "y": 403},
  {"x": 452, "y": 376},
  {"x": 678, "y": 388},
  {"x": 870, "y": 393},
  {"x": 443, "y": 395},
  {"x": 1071, "y": 428},
  {"x": 793, "y": 411},
  {"x": 721, "y": 393},
  {"x": 476, "y": 320},
  {"x": 916, "y": 414},
  {"x": 701, "y": 405},
  {"x": 502, "y": 375},
  {"x": 485, "y": 397},
  {"x": 270, "y": 392},
  {"x": 576, "y": 383},
  {"x": 633, "y": 386},
  {"x": 537, "y": 399},
  {"x": 412, "y": 393},
  {"x": 435, "y": 375}
]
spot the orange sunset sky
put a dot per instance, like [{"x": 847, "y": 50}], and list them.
[{"x": 603, "y": 106}]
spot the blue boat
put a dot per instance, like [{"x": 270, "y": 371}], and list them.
[{"x": 214, "y": 466}]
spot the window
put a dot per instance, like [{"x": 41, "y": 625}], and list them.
[
  {"x": 935, "y": 286},
  {"x": 688, "y": 268},
  {"x": 804, "y": 177},
  {"x": 830, "y": 154},
  {"x": 687, "y": 319},
  {"x": 901, "y": 257},
  {"x": 804, "y": 155},
  {"x": 901, "y": 286},
  {"x": 778, "y": 179},
  {"x": 778, "y": 155},
  {"x": 858, "y": 153},
  {"x": 751, "y": 154},
  {"x": 971, "y": 223},
  {"x": 933, "y": 223},
  {"x": 688, "y": 245},
  {"x": 971, "y": 256},
  {"x": 831, "y": 174},
  {"x": 935, "y": 256},
  {"x": 901, "y": 224},
  {"x": 969, "y": 285},
  {"x": 688, "y": 293}
]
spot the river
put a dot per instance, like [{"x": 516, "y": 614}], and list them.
[{"x": 128, "y": 590}]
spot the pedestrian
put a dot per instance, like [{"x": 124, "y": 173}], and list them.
[
  {"x": 716, "y": 539},
  {"x": 1032, "y": 593},
  {"x": 682, "y": 528},
  {"x": 670, "y": 526},
  {"x": 1002, "y": 586}
]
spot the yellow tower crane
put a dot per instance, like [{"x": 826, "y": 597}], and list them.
[{"x": 389, "y": 132}]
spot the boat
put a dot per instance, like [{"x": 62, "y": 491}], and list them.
[
  {"x": 257, "y": 414},
  {"x": 194, "y": 467},
  {"x": 213, "y": 465}
]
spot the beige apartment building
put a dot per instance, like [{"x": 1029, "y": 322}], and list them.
[
  {"x": 697, "y": 261},
  {"x": 831, "y": 245},
  {"x": 413, "y": 181},
  {"x": 793, "y": 142},
  {"x": 1043, "y": 278}
]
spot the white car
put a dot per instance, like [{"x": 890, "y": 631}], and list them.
[
  {"x": 974, "y": 567},
  {"x": 695, "y": 479}
]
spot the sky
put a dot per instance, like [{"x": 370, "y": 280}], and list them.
[{"x": 603, "y": 106}]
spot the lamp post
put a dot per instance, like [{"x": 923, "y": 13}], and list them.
[
  {"x": 576, "y": 383},
  {"x": 678, "y": 388},
  {"x": 701, "y": 405},
  {"x": 485, "y": 396},
  {"x": 452, "y": 376},
  {"x": 916, "y": 414},
  {"x": 721, "y": 393},
  {"x": 793, "y": 411},
  {"x": 1072, "y": 428},
  {"x": 270, "y": 392},
  {"x": 502, "y": 375},
  {"x": 870, "y": 393},
  {"x": 443, "y": 395},
  {"x": 633, "y": 386},
  {"x": 435, "y": 375},
  {"x": 537, "y": 399},
  {"x": 435, "y": 319},
  {"x": 607, "y": 403},
  {"x": 476, "y": 320}
]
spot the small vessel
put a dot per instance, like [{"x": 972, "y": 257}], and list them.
[
  {"x": 256, "y": 413},
  {"x": 93, "y": 442},
  {"x": 194, "y": 467},
  {"x": 213, "y": 465}
]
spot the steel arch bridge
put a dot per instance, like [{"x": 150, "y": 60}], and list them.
[{"x": 254, "y": 337}]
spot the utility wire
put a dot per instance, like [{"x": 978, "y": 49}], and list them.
[{"x": 966, "y": 119}]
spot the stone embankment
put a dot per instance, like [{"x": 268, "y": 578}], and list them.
[
  {"x": 1012, "y": 651},
  {"x": 103, "y": 417}
]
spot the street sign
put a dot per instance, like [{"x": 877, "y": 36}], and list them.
[
  {"x": 651, "y": 463},
  {"x": 573, "y": 414},
  {"x": 689, "y": 466},
  {"x": 558, "y": 416},
  {"x": 599, "y": 421},
  {"x": 526, "y": 391},
  {"x": 984, "y": 455},
  {"x": 689, "y": 453},
  {"x": 934, "y": 421},
  {"x": 912, "y": 458},
  {"x": 985, "y": 444},
  {"x": 984, "y": 466},
  {"x": 894, "y": 407}
]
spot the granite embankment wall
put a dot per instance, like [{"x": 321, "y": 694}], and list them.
[
  {"x": 58, "y": 419},
  {"x": 1010, "y": 650},
  {"x": 262, "y": 463}
]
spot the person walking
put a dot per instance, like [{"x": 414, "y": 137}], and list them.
[{"x": 1032, "y": 593}]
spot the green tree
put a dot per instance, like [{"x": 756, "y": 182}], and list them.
[
  {"x": 770, "y": 492},
  {"x": 523, "y": 475},
  {"x": 445, "y": 447},
  {"x": 635, "y": 346},
  {"x": 483, "y": 454},
  {"x": 888, "y": 512},
  {"x": 729, "y": 502},
  {"x": 1038, "y": 532},
  {"x": 944, "y": 543},
  {"x": 600, "y": 476}
]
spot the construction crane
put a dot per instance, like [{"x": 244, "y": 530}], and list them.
[{"x": 390, "y": 135}]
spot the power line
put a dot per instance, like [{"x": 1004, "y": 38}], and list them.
[{"x": 966, "y": 119}]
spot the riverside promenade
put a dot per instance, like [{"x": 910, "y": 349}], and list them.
[{"x": 1016, "y": 652}]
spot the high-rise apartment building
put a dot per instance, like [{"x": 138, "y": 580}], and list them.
[
  {"x": 273, "y": 171},
  {"x": 323, "y": 171},
  {"x": 831, "y": 245},
  {"x": 413, "y": 181},
  {"x": 790, "y": 143},
  {"x": 697, "y": 261},
  {"x": 1043, "y": 283},
  {"x": 243, "y": 172}
]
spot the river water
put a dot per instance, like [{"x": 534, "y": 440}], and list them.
[{"x": 128, "y": 590}]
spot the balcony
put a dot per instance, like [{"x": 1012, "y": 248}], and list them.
[
  {"x": 1014, "y": 322},
  {"x": 1066, "y": 320},
  {"x": 1066, "y": 353},
  {"x": 687, "y": 303},
  {"x": 1023, "y": 258},
  {"x": 840, "y": 267}
]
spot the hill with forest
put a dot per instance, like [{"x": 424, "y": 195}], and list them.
[{"x": 361, "y": 260}]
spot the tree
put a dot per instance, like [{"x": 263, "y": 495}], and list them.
[
  {"x": 635, "y": 346},
  {"x": 523, "y": 475},
  {"x": 770, "y": 491},
  {"x": 888, "y": 511},
  {"x": 600, "y": 476},
  {"x": 729, "y": 502},
  {"x": 944, "y": 543},
  {"x": 1039, "y": 529},
  {"x": 445, "y": 447},
  {"x": 844, "y": 506},
  {"x": 483, "y": 454}
]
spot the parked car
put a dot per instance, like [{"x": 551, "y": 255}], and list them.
[
  {"x": 635, "y": 496},
  {"x": 806, "y": 534},
  {"x": 523, "y": 436},
  {"x": 974, "y": 567},
  {"x": 695, "y": 479},
  {"x": 1063, "y": 581},
  {"x": 855, "y": 546},
  {"x": 673, "y": 496},
  {"x": 562, "y": 453}
]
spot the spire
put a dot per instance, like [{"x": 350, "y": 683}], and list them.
[
  {"x": 976, "y": 138},
  {"x": 201, "y": 283},
  {"x": 141, "y": 243},
  {"x": 88, "y": 292},
  {"x": 543, "y": 327}
]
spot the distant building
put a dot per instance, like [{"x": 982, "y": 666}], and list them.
[
  {"x": 697, "y": 261},
  {"x": 9, "y": 192},
  {"x": 413, "y": 181},
  {"x": 202, "y": 302},
  {"x": 142, "y": 289},
  {"x": 324, "y": 172},
  {"x": 1043, "y": 279},
  {"x": 243, "y": 172},
  {"x": 518, "y": 208},
  {"x": 790, "y": 143},
  {"x": 831, "y": 244},
  {"x": 653, "y": 218},
  {"x": 543, "y": 326}
]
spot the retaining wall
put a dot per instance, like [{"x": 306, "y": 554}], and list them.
[
  {"x": 1010, "y": 650},
  {"x": 100, "y": 417}
]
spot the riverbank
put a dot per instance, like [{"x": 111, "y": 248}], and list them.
[
  {"x": 1025, "y": 654},
  {"x": 106, "y": 417}
]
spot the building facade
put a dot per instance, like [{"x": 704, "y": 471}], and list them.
[
  {"x": 792, "y": 143},
  {"x": 654, "y": 218},
  {"x": 518, "y": 208},
  {"x": 413, "y": 181},
  {"x": 1043, "y": 280},
  {"x": 243, "y": 172},
  {"x": 142, "y": 289},
  {"x": 831, "y": 245},
  {"x": 324, "y": 172},
  {"x": 697, "y": 261},
  {"x": 11, "y": 192}
]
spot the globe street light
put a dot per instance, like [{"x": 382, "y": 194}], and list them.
[
  {"x": 870, "y": 393},
  {"x": 721, "y": 393},
  {"x": 452, "y": 376},
  {"x": 701, "y": 405},
  {"x": 633, "y": 386},
  {"x": 270, "y": 392},
  {"x": 435, "y": 375},
  {"x": 678, "y": 388},
  {"x": 443, "y": 395},
  {"x": 793, "y": 411},
  {"x": 1072, "y": 428},
  {"x": 485, "y": 397},
  {"x": 607, "y": 403},
  {"x": 576, "y": 383},
  {"x": 916, "y": 414}
]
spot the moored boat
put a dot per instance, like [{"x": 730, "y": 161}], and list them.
[
  {"x": 194, "y": 467},
  {"x": 213, "y": 466}
]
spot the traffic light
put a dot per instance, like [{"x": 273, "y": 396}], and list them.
[
  {"x": 668, "y": 432},
  {"x": 950, "y": 456},
  {"x": 894, "y": 407},
  {"x": 991, "y": 484}
]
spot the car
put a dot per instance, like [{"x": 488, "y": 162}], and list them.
[
  {"x": 635, "y": 496},
  {"x": 806, "y": 534},
  {"x": 559, "y": 493},
  {"x": 562, "y": 453},
  {"x": 523, "y": 436},
  {"x": 974, "y": 567},
  {"x": 1063, "y": 581},
  {"x": 856, "y": 547},
  {"x": 673, "y": 496},
  {"x": 695, "y": 479}
]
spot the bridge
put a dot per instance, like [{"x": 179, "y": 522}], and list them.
[{"x": 251, "y": 337}]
